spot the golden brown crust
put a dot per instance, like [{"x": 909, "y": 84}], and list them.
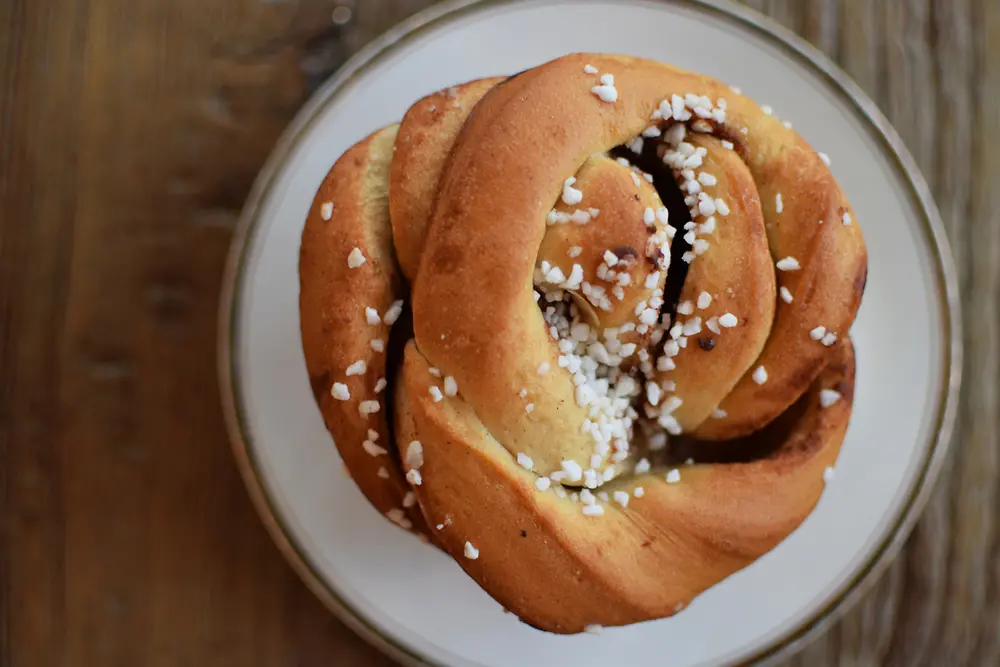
[
  {"x": 826, "y": 291},
  {"x": 425, "y": 138},
  {"x": 498, "y": 194},
  {"x": 615, "y": 199},
  {"x": 501, "y": 150},
  {"x": 557, "y": 569},
  {"x": 332, "y": 303},
  {"x": 738, "y": 276}
]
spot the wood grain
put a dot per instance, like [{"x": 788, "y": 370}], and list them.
[{"x": 130, "y": 131}]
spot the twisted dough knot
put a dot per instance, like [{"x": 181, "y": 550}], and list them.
[{"x": 603, "y": 251}]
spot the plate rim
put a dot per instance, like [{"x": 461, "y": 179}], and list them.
[{"x": 930, "y": 225}]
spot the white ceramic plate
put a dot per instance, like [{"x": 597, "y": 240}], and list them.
[{"x": 415, "y": 602}]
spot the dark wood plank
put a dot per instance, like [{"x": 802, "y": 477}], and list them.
[{"x": 132, "y": 137}]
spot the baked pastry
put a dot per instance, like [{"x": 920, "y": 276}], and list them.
[{"x": 585, "y": 329}]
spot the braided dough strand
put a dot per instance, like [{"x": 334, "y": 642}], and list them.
[{"x": 561, "y": 571}]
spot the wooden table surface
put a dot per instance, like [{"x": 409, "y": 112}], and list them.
[{"x": 130, "y": 132}]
